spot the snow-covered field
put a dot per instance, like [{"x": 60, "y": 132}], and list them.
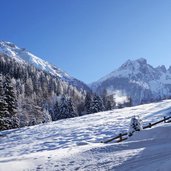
[{"x": 74, "y": 144}]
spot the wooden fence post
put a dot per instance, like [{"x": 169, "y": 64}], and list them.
[
  {"x": 149, "y": 125},
  {"x": 120, "y": 136}
]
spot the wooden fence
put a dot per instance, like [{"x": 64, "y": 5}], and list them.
[{"x": 124, "y": 136}]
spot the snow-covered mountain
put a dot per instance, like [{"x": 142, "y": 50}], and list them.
[
  {"x": 39, "y": 87},
  {"x": 74, "y": 144},
  {"x": 22, "y": 55},
  {"x": 137, "y": 79}
]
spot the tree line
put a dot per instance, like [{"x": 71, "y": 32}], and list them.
[{"x": 40, "y": 97}]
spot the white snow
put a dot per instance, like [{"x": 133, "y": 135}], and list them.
[
  {"x": 23, "y": 56},
  {"x": 127, "y": 69},
  {"x": 119, "y": 96},
  {"x": 157, "y": 80},
  {"x": 141, "y": 84},
  {"x": 74, "y": 144}
]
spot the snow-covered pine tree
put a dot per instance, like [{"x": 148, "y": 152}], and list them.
[
  {"x": 66, "y": 109},
  {"x": 29, "y": 87},
  {"x": 11, "y": 101},
  {"x": 96, "y": 105},
  {"x": 47, "y": 117},
  {"x": 4, "y": 114},
  {"x": 3, "y": 104},
  {"x": 108, "y": 105},
  {"x": 88, "y": 102},
  {"x": 105, "y": 99},
  {"x": 10, "y": 97},
  {"x": 135, "y": 125},
  {"x": 63, "y": 108},
  {"x": 71, "y": 109},
  {"x": 56, "y": 112}
]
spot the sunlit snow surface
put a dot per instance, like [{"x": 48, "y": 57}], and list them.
[
  {"x": 21, "y": 55},
  {"x": 74, "y": 144}
]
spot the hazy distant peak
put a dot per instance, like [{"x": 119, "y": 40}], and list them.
[
  {"x": 162, "y": 68},
  {"x": 132, "y": 64},
  {"x": 139, "y": 80},
  {"x": 142, "y": 61},
  {"x": 169, "y": 69}
]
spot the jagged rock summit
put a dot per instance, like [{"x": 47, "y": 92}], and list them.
[{"x": 137, "y": 79}]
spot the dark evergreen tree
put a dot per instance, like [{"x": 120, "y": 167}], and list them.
[
  {"x": 129, "y": 103},
  {"x": 56, "y": 112},
  {"x": 11, "y": 101},
  {"x": 8, "y": 119},
  {"x": 4, "y": 114},
  {"x": 104, "y": 98},
  {"x": 88, "y": 102},
  {"x": 81, "y": 109},
  {"x": 3, "y": 104},
  {"x": 66, "y": 109},
  {"x": 108, "y": 105},
  {"x": 96, "y": 105},
  {"x": 46, "y": 115},
  {"x": 71, "y": 109},
  {"x": 63, "y": 108},
  {"x": 29, "y": 87},
  {"x": 120, "y": 106},
  {"x": 10, "y": 97}
]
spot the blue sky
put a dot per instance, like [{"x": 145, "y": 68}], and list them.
[{"x": 89, "y": 38}]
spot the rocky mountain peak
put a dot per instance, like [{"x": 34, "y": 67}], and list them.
[
  {"x": 162, "y": 68},
  {"x": 142, "y": 61},
  {"x": 139, "y": 80},
  {"x": 169, "y": 69},
  {"x": 134, "y": 64}
]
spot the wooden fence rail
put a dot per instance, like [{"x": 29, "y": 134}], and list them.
[{"x": 121, "y": 137}]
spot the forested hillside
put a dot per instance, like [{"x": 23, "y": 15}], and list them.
[
  {"x": 41, "y": 92},
  {"x": 36, "y": 92}
]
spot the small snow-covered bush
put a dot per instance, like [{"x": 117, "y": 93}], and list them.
[{"x": 135, "y": 125}]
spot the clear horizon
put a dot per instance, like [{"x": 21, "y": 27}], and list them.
[{"x": 89, "y": 39}]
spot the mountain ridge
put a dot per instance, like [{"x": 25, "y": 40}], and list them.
[
  {"x": 42, "y": 92},
  {"x": 137, "y": 78},
  {"x": 134, "y": 78},
  {"x": 22, "y": 55}
]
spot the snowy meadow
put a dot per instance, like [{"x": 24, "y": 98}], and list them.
[{"x": 75, "y": 144}]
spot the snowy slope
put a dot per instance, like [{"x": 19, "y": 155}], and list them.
[
  {"x": 73, "y": 144},
  {"x": 22, "y": 55},
  {"x": 138, "y": 80}
]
